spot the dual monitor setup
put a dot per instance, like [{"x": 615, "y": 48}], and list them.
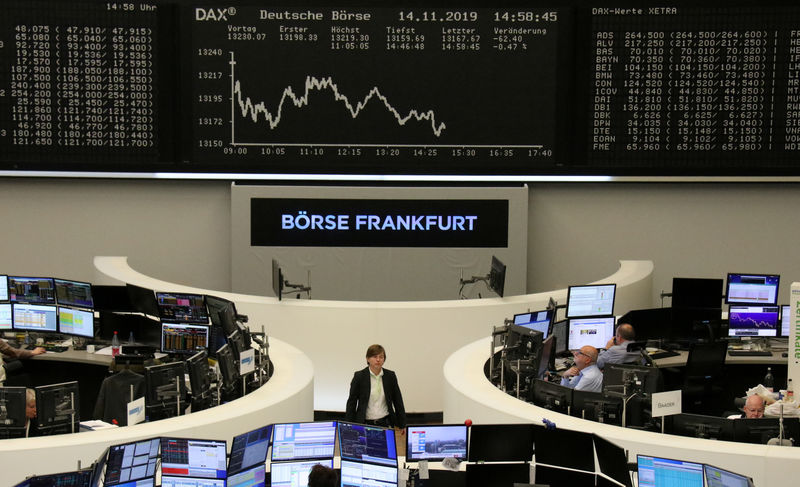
[{"x": 57, "y": 410}]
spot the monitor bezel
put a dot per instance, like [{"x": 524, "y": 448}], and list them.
[
  {"x": 244, "y": 435},
  {"x": 412, "y": 458},
  {"x": 194, "y": 321},
  {"x": 58, "y": 321},
  {"x": 52, "y": 281},
  {"x": 728, "y": 288},
  {"x": 363, "y": 460},
  {"x": 73, "y": 281},
  {"x": 777, "y": 327},
  {"x": 275, "y": 427},
  {"x": 184, "y": 352},
  {"x": 780, "y": 332},
  {"x": 591, "y": 315},
  {"x": 550, "y": 314},
  {"x": 7, "y": 299},
  {"x": 34, "y": 330},
  {"x": 162, "y": 439},
  {"x": 569, "y": 326},
  {"x": 705, "y": 476}
]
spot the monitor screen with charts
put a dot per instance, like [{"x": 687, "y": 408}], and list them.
[
  {"x": 301, "y": 441},
  {"x": 183, "y": 338},
  {"x": 294, "y": 474},
  {"x": 663, "y": 472},
  {"x": 717, "y": 477},
  {"x": 151, "y": 482},
  {"x": 249, "y": 449},
  {"x": 183, "y": 457},
  {"x": 182, "y": 308},
  {"x": 356, "y": 474},
  {"x": 35, "y": 317},
  {"x": 753, "y": 321},
  {"x": 76, "y": 322},
  {"x": 757, "y": 289},
  {"x": 537, "y": 320},
  {"x": 74, "y": 293},
  {"x": 6, "y": 318},
  {"x": 786, "y": 320},
  {"x": 364, "y": 443},
  {"x": 252, "y": 477},
  {"x": 436, "y": 442},
  {"x": 35, "y": 290},
  {"x": 3, "y": 287},
  {"x": 131, "y": 461},
  {"x": 591, "y": 300},
  {"x": 173, "y": 481},
  {"x": 590, "y": 331}
]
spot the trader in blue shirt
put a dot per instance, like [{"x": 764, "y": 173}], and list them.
[
  {"x": 584, "y": 375},
  {"x": 616, "y": 351}
]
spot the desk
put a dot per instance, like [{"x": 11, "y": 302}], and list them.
[
  {"x": 680, "y": 360},
  {"x": 468, "y": 394}
]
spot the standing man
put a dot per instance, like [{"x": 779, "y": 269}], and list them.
[
  {"x": 375, "y": 396},
  {"x": 616, "y": 351},
  {"x": 584, "y": 375}
]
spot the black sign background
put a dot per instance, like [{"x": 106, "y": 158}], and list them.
[{"x": 490, "y": 228}]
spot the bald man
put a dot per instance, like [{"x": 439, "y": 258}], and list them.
[
  {"x": 753, "y": 407},
  {"x": 616, "y": 351},
  {"x": 584, "y": 375}
]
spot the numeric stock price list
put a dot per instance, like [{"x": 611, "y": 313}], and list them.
[
  {"x": 694, "y": 90},
  {"x": 79, "y": 85},
  {"x": 374, "y": 90}
]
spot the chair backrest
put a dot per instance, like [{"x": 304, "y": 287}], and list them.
[{"x": 706, "y": 359}]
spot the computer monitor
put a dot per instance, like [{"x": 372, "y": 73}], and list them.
[
  {"x": 32, "y": 290},
  {"x": 700, "y": 426},
  {"x": 612, "y": 460},
  {"x": 142, "y": 299},
  {"x": 12, "y": 412},
  {"x": 501, "y": 442},
  {"x": 303, "y": 441},
  {"x": 523, "y": 343},
  {"x": 753, "y": 321},
  {"x": 436, "y": 442},
  {"x": 187, "y": 457},
  {"x": 665, "y": 472},
  {"x": 497, "y": 276},
  {"x": 552, "y": 396},
  {"x": 6, "y": 317},
  {"x": 249, "y": 449},
  {"x": 786, "y": 320},
  {"x": 717, "y": 477},
  {"x": 129, "y": 462},
  {"x": 231, "y": 386},
  {"x": 294, "y": 474},
  {"x": 756, "y": 289},
  {"x": 58, "y": 408},
  {"x": 74, "y": 293},
  {"x": 637, "y": 377},
  {"x": 537, "y": 320},
  {"x": 236, "y": 341},
  {"x": 696, "y": 293},
  {"x": 182, "y": 308},
  {"x": 76, "y": 322},
  {"x": 148, "y": 482},
  {"x": 252, "y": 477},
  {"x": 547, "y": 356},
  {"x": 198, "y": 370},
  {"x": 354, "y": 474},
  {"x": 590, "y": 331},
  {"x": 146, "y": 329},
  {"x": 761, "y": 430},
  {"x": 596, "y": 406},
  {"x": 550, "y": 448},
  {"x": 3, "y": 287},
  {"x": 183, "y": 338},
  {"x": 173, "y": 481},
  {"x": 561, "y": 332},
  {"x": 165, "y": 385},
  {"x": 590, "y": 300},
  {"x": 222, "y": 313},
  {"x": 277, "y": 279},
  {"x": 35, "y": 317},
  {"x": 498, "y": 474},
  {"x": 366, "y": 443},
  {"x": 111, "y": 298},
  {"x": 78, "y": 478}
]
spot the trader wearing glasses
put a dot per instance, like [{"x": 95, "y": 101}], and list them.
[{"x": 584, "y": 375}]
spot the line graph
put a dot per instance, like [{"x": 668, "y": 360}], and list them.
[{"x": 312, "y": 83}]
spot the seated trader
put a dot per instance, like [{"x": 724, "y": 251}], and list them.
[
  {"x": 753, "y": 408},
  {"x": 31, "y": 428},
  {"x": 584, "y": 375},
  {"x": 12, "y": 352},
  {"x": 616, "y": 351}
]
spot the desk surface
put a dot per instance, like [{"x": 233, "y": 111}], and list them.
[
  {"x": 680, "y": 360},
  {"x": 76, "y": 356}
]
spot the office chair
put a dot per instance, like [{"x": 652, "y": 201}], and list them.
[{"x": 703, "y": 392}]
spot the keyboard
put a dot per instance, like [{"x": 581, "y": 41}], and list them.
[
  {"x": 49, "y": 347},
  {"x": 749, "y": 353}
]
